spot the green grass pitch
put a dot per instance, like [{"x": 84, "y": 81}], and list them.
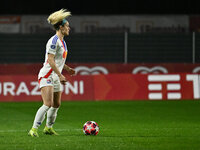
[{"x": 131, "y": 125}]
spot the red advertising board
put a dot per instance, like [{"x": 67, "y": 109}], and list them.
[
  {"x": 19, "y": 88},
  {"x": 107, "y": 87},
  {"x": 120, "y": 87}
]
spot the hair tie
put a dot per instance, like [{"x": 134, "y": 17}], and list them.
[{"x": 64, "y": 21}]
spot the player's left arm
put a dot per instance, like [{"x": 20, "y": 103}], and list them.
[{"x": 70, "y": 70}]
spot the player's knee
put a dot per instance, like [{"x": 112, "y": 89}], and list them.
[
  {"x": 56, "y": 105},
  {"x": 49, "y": 104}
]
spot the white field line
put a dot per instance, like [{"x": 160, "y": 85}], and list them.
[
  {"x": 3, "y": 131},
  {"x": 155, "y": 129}
]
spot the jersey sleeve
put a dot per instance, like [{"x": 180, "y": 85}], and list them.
[
  {"x": 51, "y": 49},
  {"x": 52, "y": 46}
]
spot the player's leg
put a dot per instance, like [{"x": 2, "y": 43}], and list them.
[
  {"x": 47, "y": 97},
  {"x": 52, "y": 112}
]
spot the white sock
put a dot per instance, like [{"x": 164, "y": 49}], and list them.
[
  {"x": 40, "y": 115},
  {"x": 51, "y": 116}
]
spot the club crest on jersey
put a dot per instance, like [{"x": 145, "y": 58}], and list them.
[
  {"x": 53, "y": 46},
  {"x": 48, "y": 81}
]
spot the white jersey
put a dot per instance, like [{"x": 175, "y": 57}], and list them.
[{"x": 58, "y": 48}]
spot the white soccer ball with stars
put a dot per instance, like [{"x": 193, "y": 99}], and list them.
[{"x": 90, "y": 128}]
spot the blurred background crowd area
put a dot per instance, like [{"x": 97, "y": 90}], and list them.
[
  {"x": 103, "y": 31},
  {"x": 37, "y": 24}
]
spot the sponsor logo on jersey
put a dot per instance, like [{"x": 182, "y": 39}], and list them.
[{"x": 64, "y": 54}]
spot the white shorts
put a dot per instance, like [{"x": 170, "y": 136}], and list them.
[{"x": 52, "y": 80}]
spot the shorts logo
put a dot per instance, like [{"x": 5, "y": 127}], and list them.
[
  {"x": 48, "y": 81},
  {"x": 53, "y": 46},
  {"x": 83, "y": 70},
  {"x": 144, "y": 70}
]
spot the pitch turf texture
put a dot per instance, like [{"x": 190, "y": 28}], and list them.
[{"x": 140, "y": 125}]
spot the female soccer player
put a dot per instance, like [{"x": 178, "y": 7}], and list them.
[{"x": 50, "y": 77}]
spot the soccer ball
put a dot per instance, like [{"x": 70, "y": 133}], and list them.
[{"x": 90, "y": 128}]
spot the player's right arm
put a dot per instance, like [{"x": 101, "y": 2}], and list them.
[
  {"x": 52, "y": 63},
  {"x": 51, "y": 50}
]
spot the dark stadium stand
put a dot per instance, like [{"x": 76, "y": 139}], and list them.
[{"x": 108, "y": 48}]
